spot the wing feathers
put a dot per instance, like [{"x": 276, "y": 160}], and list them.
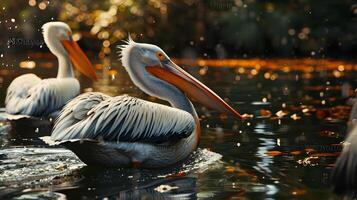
[
  {"x": 122, "y": 118},
  {"x": 29, "y": 95}
]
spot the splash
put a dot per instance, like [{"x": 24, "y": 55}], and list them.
[{"x": 32, "y": 167}]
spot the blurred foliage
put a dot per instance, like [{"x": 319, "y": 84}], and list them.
[{"x": 209, "y": 28}]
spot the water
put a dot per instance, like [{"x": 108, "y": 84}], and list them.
[{"x": 286, "y": 150}]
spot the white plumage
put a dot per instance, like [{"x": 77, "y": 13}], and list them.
[
  {"x": 119, "y": 131},
  {"x": 124, "y": 131},
  {"x": 121, "y": 119},
  {"x": 29, "y": 95}
]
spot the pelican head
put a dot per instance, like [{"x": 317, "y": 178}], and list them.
[
  {"x": 58, "y": 38},
  {"x": 156, "y": 74}
]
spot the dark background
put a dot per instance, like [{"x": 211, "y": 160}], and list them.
[{"x": 195, "y": 28}]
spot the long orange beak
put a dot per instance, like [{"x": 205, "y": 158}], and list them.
[
  {"x": 175, "y": 75},
  {"x": 79, "y": 59}
]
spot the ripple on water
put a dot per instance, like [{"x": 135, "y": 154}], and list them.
[
  {"x": 29, "y": 167},
  {"x": 42, "y": 195},
  {"x": 37, "y": 168},
  {"x": 200, "y": 161}
]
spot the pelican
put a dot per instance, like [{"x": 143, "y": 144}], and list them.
[
  {"x": 124, "y": 131},
  {"x": 32, "y": 96},
  {"x": 344, "y": 175}
]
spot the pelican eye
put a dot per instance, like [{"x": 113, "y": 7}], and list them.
[{"x": 160, "y": 55}]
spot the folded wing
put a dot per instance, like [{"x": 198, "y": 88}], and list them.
[
  {"x": 30, "y": 95},
  {"x": 121, "y": 119}
]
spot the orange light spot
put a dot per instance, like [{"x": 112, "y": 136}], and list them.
[
  {"x": 298, "y": 192},
  {"x": 265, "y": 113},
  {"x": 295, "y": 153},
  {"x": 309, "y": 150},
  {"x": 274, "y": 153},
  {"x": 230, "y": 169}
]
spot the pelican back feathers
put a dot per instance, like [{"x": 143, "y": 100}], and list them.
[
  {"x": 29, "y": 95},
  {"x": 121, "y": 119}
]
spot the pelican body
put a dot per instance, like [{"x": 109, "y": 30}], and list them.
[
  {"x": 124, "y": 131},
  {"x": 32, "y": 96}
]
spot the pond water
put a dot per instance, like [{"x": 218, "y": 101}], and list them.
[{"x": 285, "y": 151}]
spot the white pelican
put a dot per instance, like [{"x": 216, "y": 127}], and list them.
[
  {"x": 32, "y": 96},
  {"x": 124, "y": 131}
]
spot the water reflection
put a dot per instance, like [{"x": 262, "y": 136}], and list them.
[
  {"x": 266, "y": 161},
  {"x": 101, "y": 183},
  {"x": 285, "y": 151}
]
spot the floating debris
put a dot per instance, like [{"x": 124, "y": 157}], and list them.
[
  {"x": 327, "y": 133},
  {"x": 247, "y": 116},
  {"x": 281, "y": 114},
  {"x": 298, "y": 192},
  {"x": 265, "y": 113},
  {"x": 165, "y": 188},
  {"x": 309, "y": 161},
  {"x": 295, "y": 153},
  {"x": 295, "y": 117},
  {"x": 230, "y": 169}
]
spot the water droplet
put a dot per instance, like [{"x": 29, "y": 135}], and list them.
[
  {"x": 13, "y": 20},
  {"x": 1, "y": 55}
]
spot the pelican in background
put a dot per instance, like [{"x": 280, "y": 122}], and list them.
[
  {"x": 125, "y": 131},
  {"x": 32, "y": 96},
  {"x": 344, "y": 175}
]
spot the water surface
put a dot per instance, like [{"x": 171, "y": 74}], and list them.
[{"x": 285, "y": 151}]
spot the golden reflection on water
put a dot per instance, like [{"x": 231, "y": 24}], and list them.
[
  {"x": 252, "y": 67},
  {"x": 285, "y": 65}
]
